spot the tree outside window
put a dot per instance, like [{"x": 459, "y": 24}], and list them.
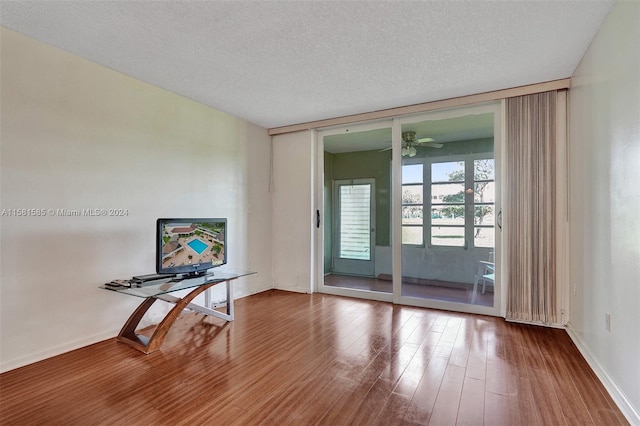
[
  {"x": 451, "y": 209},
  {"x": 448, "y": 219}
]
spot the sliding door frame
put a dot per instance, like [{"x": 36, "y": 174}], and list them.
[
  {"x": 498, "y": 110},
  {"x": 320, "y": 223}
]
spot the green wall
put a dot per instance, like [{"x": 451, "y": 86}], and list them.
[
  {"x": 377, "y": 165},
  {"x": 328, "y": 211},
  {"x": 369, "y": 164}
]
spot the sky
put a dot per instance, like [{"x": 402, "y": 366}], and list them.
[{"x": 412, "y": 173}]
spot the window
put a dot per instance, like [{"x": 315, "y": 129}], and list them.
[
  {"x": 460, "y": 198},
  {"x": 448, "y": 209},
  {"x": 484, "y": 198},
  {"x": 412, "y": 204}
]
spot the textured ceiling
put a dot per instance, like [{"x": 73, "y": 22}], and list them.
[{"x": 276, "y": 63}]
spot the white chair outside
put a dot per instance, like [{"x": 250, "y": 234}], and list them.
[{"x": 485, "y": 274}]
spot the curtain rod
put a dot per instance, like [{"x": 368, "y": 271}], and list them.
[{"x": 564, "y": 83}]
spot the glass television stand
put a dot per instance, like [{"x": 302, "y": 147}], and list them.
[{"x": 160, "y": 290}]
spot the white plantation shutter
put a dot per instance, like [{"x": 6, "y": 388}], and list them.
[{"x": 355, "y": 222}]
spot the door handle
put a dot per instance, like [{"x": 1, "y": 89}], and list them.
[
  {"x": 317, "y": 218},
  {"x": 499, "y": 219}
]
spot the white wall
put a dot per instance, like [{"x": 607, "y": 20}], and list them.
[
  {"x": 293, "y": 211},
  {"x": 76, "y": 135},
  {"x": 604, "y": 152}
]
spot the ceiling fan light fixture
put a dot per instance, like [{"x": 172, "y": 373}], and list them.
[
  {"x": 408, "y": 137},
  {"x": 409, "y": 142}
]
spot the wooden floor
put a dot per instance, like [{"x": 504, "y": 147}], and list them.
[{"x": 302, "y": 359}]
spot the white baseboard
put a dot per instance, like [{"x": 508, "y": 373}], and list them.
[
  {"x": 631, "y": 414},
  {"x": 239, "y": 295},
  {"x": 56, "y": 350},
  {"x": 536, "y": 323},
  {"x": 293, "y": 289}
]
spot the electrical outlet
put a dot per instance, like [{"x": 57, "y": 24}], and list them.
[
  {"x": 607, "y": 317},
  {"x": 218, "y": 304}
]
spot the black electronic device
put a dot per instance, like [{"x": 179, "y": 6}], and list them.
[
  {"x": 151, "y": 277},
  {"x": 190, "y": 246},
  {"x": 118, "y": 284}
]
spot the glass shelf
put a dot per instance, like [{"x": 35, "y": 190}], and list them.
[{"x": 169, "y": 285}]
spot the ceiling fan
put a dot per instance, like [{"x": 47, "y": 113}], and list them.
[{"x": 409, "y": 143}]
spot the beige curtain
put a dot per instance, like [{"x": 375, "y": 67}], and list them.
[{"x": 530, "y": 208}]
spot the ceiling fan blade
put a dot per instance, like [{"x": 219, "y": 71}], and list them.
[
  {"x": 423, "y": 140},
  {"x": 386, "y": 149},
  {"x": 432, "y": 145}
]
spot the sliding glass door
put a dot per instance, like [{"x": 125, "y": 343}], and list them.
[
  {"x": 442, "y": 248},
  {"x": 356, "y": 191},
  {"x": 449, "y": 210}
]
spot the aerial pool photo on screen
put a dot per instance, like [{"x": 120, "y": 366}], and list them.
[
  {"x": 190, "y": 243},
  {"x": 197, "y": 245}
]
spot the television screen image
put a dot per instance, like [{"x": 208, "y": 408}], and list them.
[{"x": 190, "y": 245}]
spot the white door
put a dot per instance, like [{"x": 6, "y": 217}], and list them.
[{"x": 354, "y": 231}]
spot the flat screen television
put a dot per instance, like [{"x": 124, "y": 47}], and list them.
[{"x": 190, "y": 246}]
